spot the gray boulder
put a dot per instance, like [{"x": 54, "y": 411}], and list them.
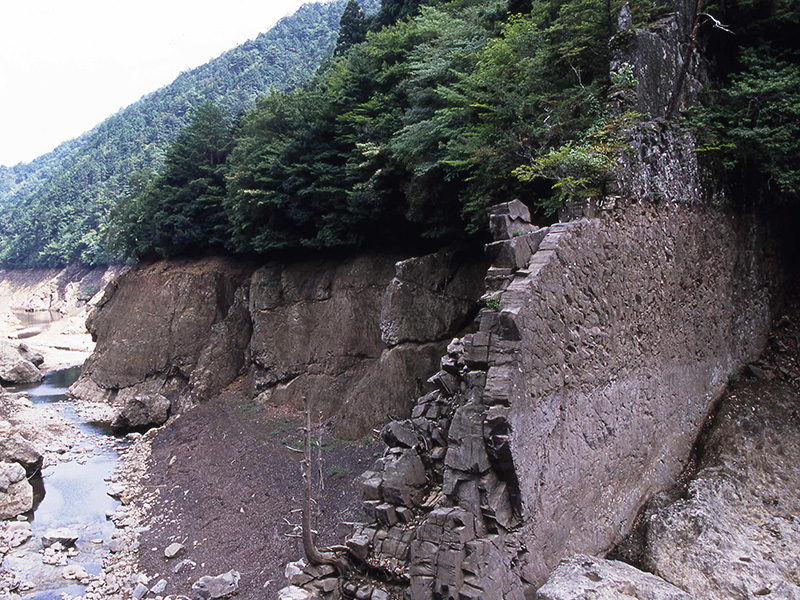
[
  {"x": 221, "y": 586},
  {"x": 32, "y": 356},
  {"x": 397, "y": 434},
  {"x": 66, "y": 537},
  {"x": 16, "y": 494},
  {"x": 142, "y": 411},
  {"x": 582, "y": 577},
  {"x": 15, "y": 448},
  {"x": 14, "y": 368},
  {"x": 430, "y": 296}
]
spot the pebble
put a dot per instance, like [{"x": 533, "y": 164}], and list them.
[
  {"x": 140, "y": 591},
  {"x": 174, "y": 550},
  {"x": 159, "y": 587},
  {"x": 184, "y": 565}
]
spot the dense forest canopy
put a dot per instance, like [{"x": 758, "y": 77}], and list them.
[
  {"x": 424, "y": 114},
  {"x": 410, "y": 134},
  {"x": 53, "y": 209}
]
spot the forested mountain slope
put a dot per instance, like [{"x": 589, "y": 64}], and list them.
[
  {"x": 53, "y": 207},
  {"x": 442, "y": 108},
  {"x": 425, "y": 115}
]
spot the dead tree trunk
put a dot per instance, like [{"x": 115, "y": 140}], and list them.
[
  {"x": 672, "y": 105},
  {"x": 314, "y": 555}
]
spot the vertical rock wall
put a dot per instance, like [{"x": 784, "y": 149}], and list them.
[
  {"x": 603, "y": 347},
  {"x": 357, "y": 336}
]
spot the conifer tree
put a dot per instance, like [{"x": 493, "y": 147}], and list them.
[
  {"x": 394, "y": 10},
  {"x": 352, "y": 27}
]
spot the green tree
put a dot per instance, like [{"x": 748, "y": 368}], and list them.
[
  {"x": 181, "y": 210},
  {"x": 396, "y": 10},
  {"x": 748, "y": 125},
  {"x": 352, "y": 27}
]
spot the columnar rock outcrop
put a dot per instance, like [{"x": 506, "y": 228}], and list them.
[{"x": 603, "y": 347}]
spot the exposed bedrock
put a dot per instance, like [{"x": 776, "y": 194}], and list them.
[
  {"x": 357, "y": 336},
  {"x": 734, "y": 532},
  {"x": 153, "y": 326},
  {"x": 602, "y": 351}
]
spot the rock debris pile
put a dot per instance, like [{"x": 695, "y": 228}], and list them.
[{"x": 442, "y": 503}]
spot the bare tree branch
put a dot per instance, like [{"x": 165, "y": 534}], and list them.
[{"x": 313, "y": 554}]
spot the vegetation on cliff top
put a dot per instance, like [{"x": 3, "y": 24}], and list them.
[
  {"x": 424, "y": 115},
  {"x": 410, "y": 134}
]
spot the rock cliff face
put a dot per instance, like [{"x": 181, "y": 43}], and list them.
[
  {"x": 574, "y": 402},
  {"x": 604, "y": 345},
  {"x": 358, "y": 337},
  {"x": 734, "y": 533}
]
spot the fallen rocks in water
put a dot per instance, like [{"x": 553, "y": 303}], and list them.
[
  {"x": 64, "y": 536},
  {"x": 116, "y": 491},
  {"x": 56, "y": 555},
  {"x": 221, "y": 586},
  {"x": 582, "y": 577},
  {"x": 75, "y": 572}
]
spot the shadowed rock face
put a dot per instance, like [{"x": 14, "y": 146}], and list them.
[
  {"x": 735, "y": 533},
  {"x": 182, "y": 331},
  {"x": 154, "y": 327}
]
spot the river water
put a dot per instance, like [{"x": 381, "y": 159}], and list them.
[{"x": 71, "y": 494}]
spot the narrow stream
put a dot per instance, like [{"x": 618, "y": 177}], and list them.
[{"x": 71, "y": 494}]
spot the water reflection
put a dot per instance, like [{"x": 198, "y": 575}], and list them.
[
  {"x": 71, "y": 494},
  {"x": 36, "y": 317}
]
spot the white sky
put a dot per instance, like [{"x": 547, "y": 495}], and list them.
[{"x": 66, "y": 65}]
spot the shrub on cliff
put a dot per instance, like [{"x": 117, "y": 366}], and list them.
[{"x": 749, "y": 125}]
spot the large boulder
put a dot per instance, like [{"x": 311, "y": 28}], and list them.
[
  {"x": 141, "y": 412},
  {"x": 582, "y": 577},
  {"x": 31, "y": 355},
  {"x": 14, "y": 368},
  {"x": 18, "y": 449},
  {"x": 430, "y": 297},
  {"x": 16, "y": 494}
]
